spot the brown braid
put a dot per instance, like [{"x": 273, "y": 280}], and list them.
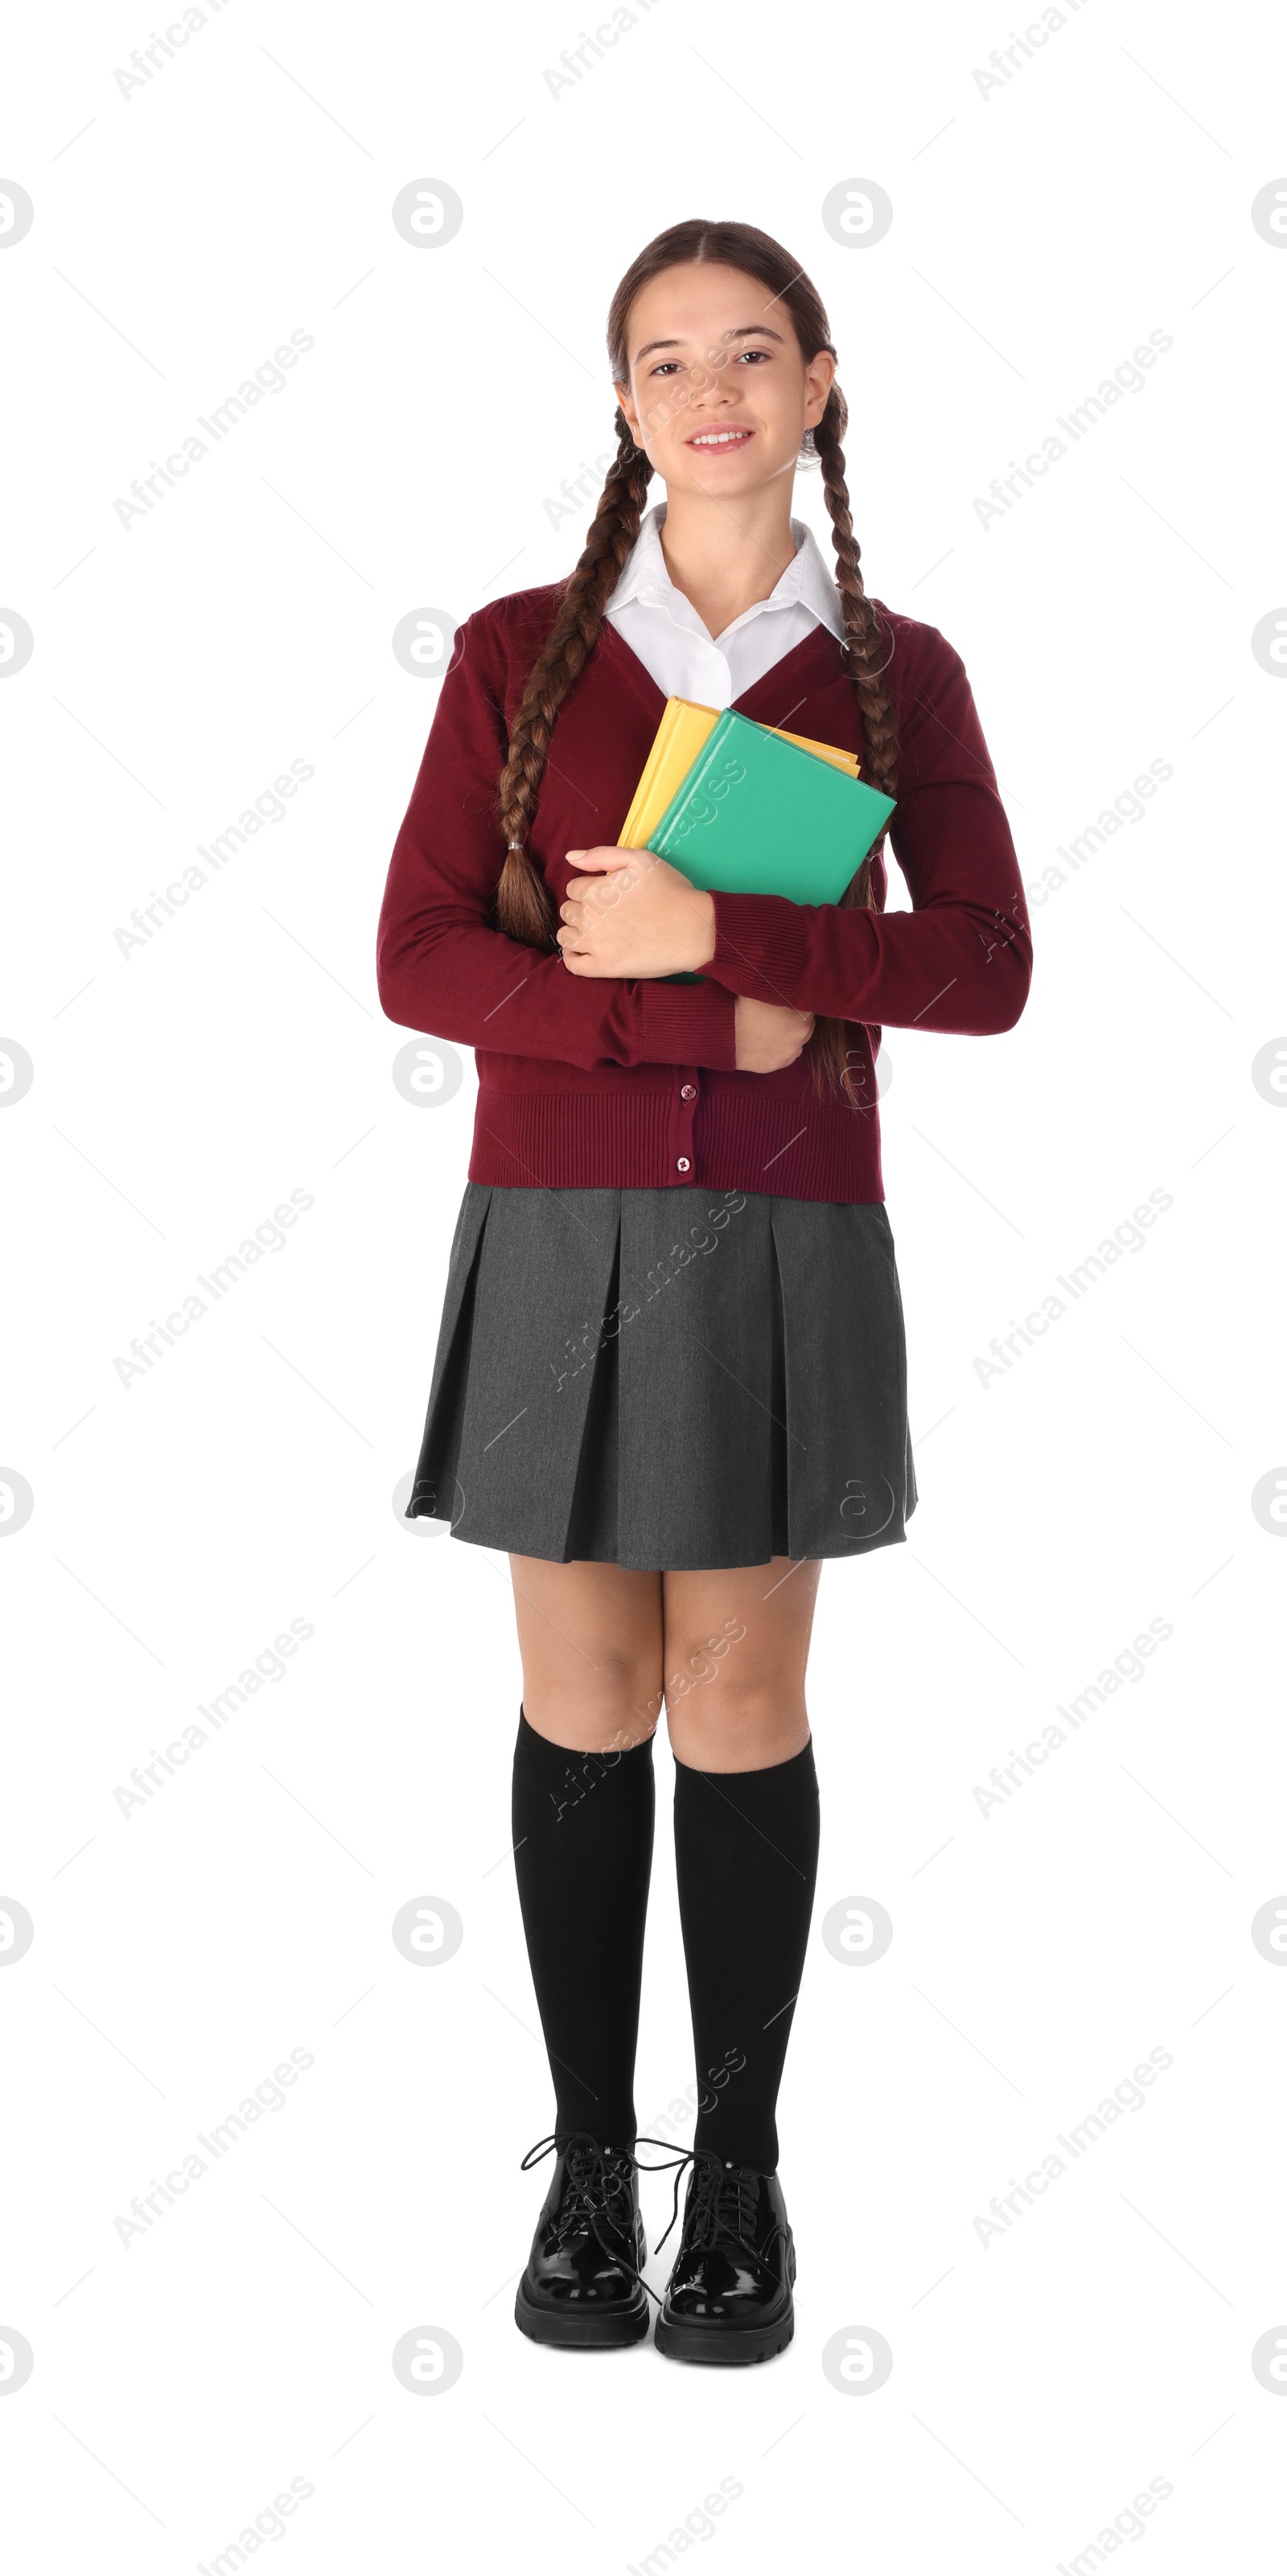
[
  {"x": 523, "y": 906},
  {"x": 868, "y": 650}
]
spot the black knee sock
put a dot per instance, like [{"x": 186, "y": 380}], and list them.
[
  {"x": 582, "y": 1825},
  {"x": 746, "y": 1856}
]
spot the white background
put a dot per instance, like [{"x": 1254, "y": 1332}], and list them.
[{"x": 1040, "y": 1951}]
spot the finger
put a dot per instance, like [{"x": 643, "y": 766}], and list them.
[
  {"x": 602, "y": 859},
  {"x": 597, "y": 892}
]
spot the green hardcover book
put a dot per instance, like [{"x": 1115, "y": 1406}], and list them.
[{"x": 757, "y": 816}]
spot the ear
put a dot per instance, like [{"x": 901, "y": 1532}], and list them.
[
  {"x": 629, "y": 412},
  {"x": 819, "y": 376}
]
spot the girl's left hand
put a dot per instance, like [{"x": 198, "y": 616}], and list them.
[{"x": 636, "y": 916}]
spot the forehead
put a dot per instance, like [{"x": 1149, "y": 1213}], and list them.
[{"x": 700, "y": 303}]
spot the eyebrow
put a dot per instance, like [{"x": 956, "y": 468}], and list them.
[{"x": 746, "y": 331}]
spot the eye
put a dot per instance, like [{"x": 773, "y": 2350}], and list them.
[
  {"x": 754, "y": 353},
  {"x": 664, "y": 368}
]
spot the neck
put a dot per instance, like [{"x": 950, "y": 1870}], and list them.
[{"x": 725, "y": 555}]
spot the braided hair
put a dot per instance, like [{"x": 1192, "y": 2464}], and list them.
[{"x": 523, "y": 906}]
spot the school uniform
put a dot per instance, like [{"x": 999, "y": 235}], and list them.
[
  {"x": 672, "y": 1333},
  {"x": 672, "y": 1337}
]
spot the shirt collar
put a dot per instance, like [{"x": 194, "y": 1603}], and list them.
[{"x": 806, "y": 583}]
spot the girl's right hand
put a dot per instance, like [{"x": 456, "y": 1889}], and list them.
[{"x": 769, "y": 1035}]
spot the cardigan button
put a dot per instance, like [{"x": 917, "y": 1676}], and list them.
[
  {"x": 684, "y": 1164},
  {"x": 688, "y": 1091}
]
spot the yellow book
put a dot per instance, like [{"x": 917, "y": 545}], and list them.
[{"x": 679, "y": 737}]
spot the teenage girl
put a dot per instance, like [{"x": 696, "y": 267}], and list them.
[{"x": 671, "y": 1375}]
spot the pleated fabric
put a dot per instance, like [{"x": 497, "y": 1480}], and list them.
[{"x": 669, "y": 1379}]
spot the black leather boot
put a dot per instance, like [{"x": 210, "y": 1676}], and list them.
[
  {"x": 582, "y": 2285},
  {"x": 729, "y": 2296}
]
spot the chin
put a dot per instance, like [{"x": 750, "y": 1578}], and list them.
[{"x": 744, "y": 469}]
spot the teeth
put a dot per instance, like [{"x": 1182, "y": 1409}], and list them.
[{"x": 718, "y": 437}]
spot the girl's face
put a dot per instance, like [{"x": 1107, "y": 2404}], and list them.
[{"x": 719, "y": 394}]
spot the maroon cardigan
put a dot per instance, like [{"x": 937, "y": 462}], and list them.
[{"x": 588, "y": 1083}]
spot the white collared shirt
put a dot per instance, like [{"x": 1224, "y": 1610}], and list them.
[{"x": 664, "y": 631}]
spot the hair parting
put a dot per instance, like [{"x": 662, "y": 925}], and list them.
[{"x": 523, "y": 906}]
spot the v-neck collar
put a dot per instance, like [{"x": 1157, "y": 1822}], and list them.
[
  {"x": 783, "y": 679},
  {"x": 806, "y": 583}
]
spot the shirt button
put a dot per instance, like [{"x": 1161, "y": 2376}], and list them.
[
  {"x": 688, "y": 1091},
  {"x": 684, "y": 1164}
]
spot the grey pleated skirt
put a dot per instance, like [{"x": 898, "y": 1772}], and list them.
[{"x": 668, "y": 1379}]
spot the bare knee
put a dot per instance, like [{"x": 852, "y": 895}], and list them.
[
  {"x": 590, "y": 1640},
  {"x": 627, "y": 1697},
  {"x": 736, "y": 1644},
  {"x": 607, "y": 1706},
  {"x": 737, "y": 1723}
]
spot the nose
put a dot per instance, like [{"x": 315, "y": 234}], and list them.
[{"x": 713, "y": 393}]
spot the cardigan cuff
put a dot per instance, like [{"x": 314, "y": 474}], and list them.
[
  {"x": 689, "y": 1024},
  {"x": 760, "y": 945}
]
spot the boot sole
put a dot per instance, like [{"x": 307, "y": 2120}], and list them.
[
  {"x": 584, "y": 2333},
  {"x": 729, "y": 2346}
]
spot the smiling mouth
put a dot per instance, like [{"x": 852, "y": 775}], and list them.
[{"x": 721, "y": 438}]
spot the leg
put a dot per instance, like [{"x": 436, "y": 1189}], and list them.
[
  {"x": 746, "y": 1832},
  {"x": 736, "y": 1646},
  {"x": 590, "y": 1640},
  {"x": 590, "y": 1637},
  {"x": 746, "y": 1854}
]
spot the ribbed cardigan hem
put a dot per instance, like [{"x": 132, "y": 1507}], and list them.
[{"x": 586, "y": 1141}]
